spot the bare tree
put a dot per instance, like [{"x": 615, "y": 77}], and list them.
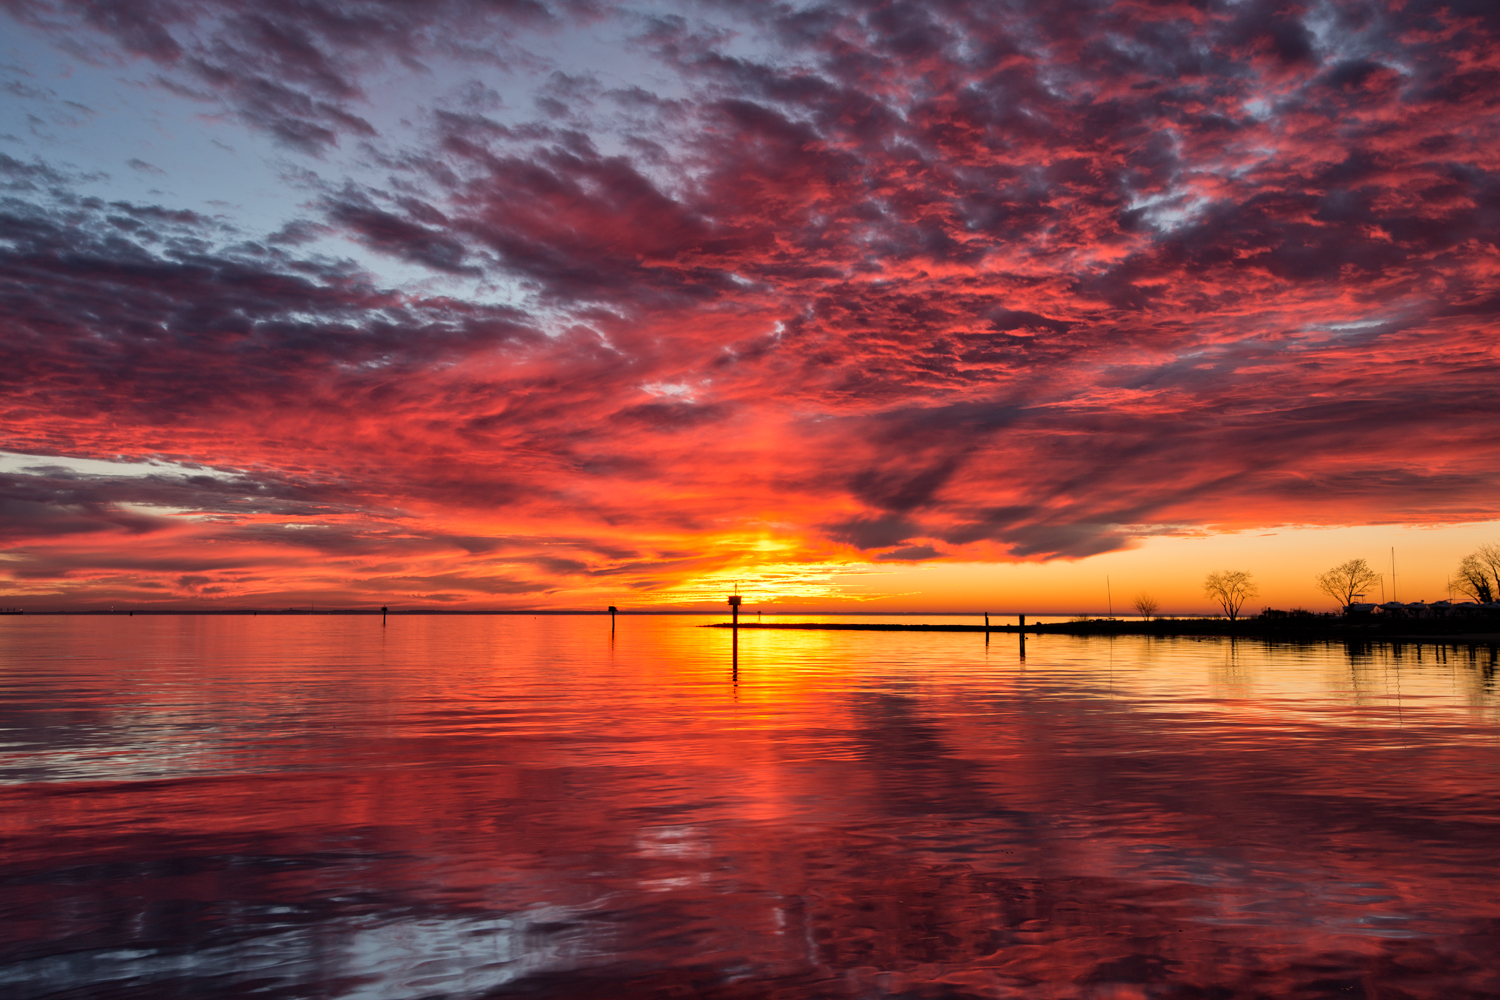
[
  {"x": 1346, "y": 580},
  {"x": 1479, "y": 577},
  {"x": 1146, "y": 605},
  {"x": 1489, "y": 555},
  {"x": 1231, "y": 588}
]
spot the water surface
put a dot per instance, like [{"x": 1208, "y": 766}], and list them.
[{"x": 486, "y": 807}]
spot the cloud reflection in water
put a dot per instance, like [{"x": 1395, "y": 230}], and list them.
[{"x": 499, "y": 806}]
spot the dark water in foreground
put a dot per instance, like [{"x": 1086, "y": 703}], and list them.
[{"x": 473, "y": 807}]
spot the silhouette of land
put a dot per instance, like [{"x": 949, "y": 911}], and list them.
[{"x": 1477, "y": 629}]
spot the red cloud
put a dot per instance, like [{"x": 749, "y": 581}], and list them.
[{"x": 918, "y": 281}]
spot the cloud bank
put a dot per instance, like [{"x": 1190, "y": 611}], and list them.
[{"x": 781, "y": 285}]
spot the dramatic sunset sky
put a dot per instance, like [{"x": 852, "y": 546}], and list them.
[{"x": 885, "y": 305}]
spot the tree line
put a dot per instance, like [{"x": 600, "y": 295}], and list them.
[
  {"x": 1230, "y": 588},
  {"x": 1478, "y": 578}
]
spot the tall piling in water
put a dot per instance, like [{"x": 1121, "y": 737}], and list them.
[{"x": 734, "y": 639}]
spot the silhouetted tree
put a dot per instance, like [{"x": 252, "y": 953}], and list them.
[
  {"x": 1490, "y": 556},
  {"x": 1479, "y": 574},
  {"x": 1146, "y": 605},
  {"x": 1347, "y": 579},
  {"x": 1231, "y": 588}
]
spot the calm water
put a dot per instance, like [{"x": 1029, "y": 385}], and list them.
[{"x": 469, "y": 807}]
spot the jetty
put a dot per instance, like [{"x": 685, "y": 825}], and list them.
[{"x": 1310, "y": 628}]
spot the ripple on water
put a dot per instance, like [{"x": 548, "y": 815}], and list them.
[{"x": 494, "y": 806}]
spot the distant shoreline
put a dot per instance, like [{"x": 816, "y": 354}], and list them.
[{"x": 1485, "y": 630}]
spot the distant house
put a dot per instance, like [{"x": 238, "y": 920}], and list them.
[{"x": 1421, "y": 609}]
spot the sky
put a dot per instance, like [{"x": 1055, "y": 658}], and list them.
[{"x": 941, "y": 305}]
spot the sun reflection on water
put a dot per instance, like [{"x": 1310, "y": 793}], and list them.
[{"x": 479, "y": 806}]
